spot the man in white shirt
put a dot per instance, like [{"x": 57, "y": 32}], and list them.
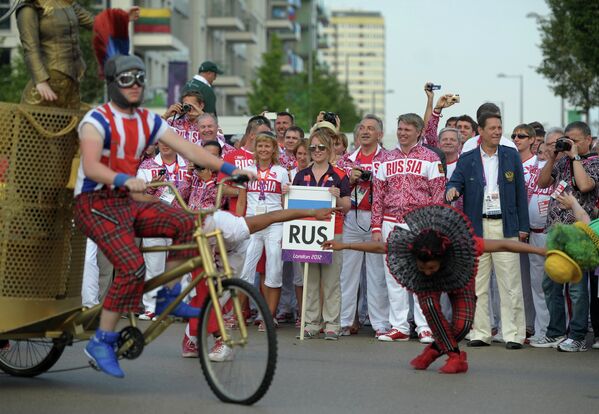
[{"x": 474, "y": 142}]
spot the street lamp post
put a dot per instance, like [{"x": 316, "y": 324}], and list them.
[{"x": 521, "y": 78}]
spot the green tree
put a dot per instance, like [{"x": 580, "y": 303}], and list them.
[
  {"x": 14, "y": 77},
  {"x": 269, "y": 87},
  {"x": 276, "y": 91},
  {"x": 569, "y": 51}
]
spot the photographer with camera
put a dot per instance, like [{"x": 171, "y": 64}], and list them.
[
  {"x": 578, "y": 173},
  {"x": 184, "y": 115},
  {"x": 360, "y": 167}
]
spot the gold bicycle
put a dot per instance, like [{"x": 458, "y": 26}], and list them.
[{"x": 243, "y": 379}]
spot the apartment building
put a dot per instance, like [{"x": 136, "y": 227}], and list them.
[{"x": 357, "y": 56}]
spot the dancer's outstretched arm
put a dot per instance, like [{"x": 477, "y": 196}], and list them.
[
  {"x": 513, "y": 246},
  {"x": 368, "y": 247},
  {"x": 262, "y": 221}
]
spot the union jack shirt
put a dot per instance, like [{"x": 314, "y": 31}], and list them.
[{"x": 133, "y": 133}]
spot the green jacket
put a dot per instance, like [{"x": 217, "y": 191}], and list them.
[
  {"x": 207, "y": 94},
  {"x": 51, "y": 42}
]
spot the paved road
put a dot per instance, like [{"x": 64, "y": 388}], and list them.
[{"x": 354, "y": 375}]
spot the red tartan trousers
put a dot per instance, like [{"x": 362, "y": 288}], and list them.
[
  {"x": 463, "y": 303},
  {"x": 113, "y": 220}
]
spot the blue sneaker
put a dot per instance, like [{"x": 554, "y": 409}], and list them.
[
  {"x": 101, "y": 350},
  {"x": 166, "y": 296}
]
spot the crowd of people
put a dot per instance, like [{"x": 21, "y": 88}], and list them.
[{"x": 504, "y": 185}]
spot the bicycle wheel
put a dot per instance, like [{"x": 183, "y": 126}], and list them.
[
  {"x": 247, "y": 371},
  {"x": 29, "y": 357}
]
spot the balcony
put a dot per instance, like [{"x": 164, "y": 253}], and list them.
[
  {"x": 152, "y": 31},
  {"x": 279, "y": 25},
  {"x": 224, "y": 81},
  {"x": 293, "y": 35},
  {"x": 247, "y": 34},
  {"x": 225, "y": 23}
]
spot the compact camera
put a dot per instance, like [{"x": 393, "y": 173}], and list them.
[
  {"x": 162, "y": 172},
  {"x": 562, "y": 145},
  {"x": 454, "y": 98},
  {"x": 185, "y": 108},
  {"x": 330, "y": 117},
  {"x": 432, "y": 87}
]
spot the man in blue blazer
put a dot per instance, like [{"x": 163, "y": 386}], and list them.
[{"x": 491, "y": 180}]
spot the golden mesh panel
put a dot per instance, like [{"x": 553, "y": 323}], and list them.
[{"x": 41, "y": 254}]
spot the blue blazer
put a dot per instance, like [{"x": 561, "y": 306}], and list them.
[{"x": 468, "y": 179}]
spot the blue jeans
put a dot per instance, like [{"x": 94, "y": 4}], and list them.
[{"x": 579, "y": 295}]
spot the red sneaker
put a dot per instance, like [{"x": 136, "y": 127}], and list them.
[
  {"x": 189, "y": 347},
  {"x": 426, "y": 358},
  {"x": 456, "y": 363},
  {"x": 394, "y": 335}
]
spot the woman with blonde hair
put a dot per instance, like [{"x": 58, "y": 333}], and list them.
[
  {"x": 265, "y": 195},
  {"x": 321, "y": 173}
]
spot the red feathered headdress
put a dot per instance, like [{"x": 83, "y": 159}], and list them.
[{"x": 111, "y": 36}]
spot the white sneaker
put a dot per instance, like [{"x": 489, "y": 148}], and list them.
[
  {"x": 426, "y": 337},
  {"x": 220, "y": 352},
  {"x": 147, "y": 316},
  {"x": 547, "y": 342},
  {"x": 595, "y": 344}
]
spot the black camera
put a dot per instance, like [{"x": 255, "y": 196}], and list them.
[
  {"x": 162, "y": 172},
  {"x": 199, "y": 167},
  {"x": 366, "y": 175},
  {"x": 330, "y": 117},
  {"x": 185, "y": 108},
  {"x": 432, "y": 87},
  {"x": 562, "y": 145}
]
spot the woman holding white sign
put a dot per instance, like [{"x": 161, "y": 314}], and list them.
[
  {"x": 265, "y": 195},
  {"x": 322, "y": 174}
]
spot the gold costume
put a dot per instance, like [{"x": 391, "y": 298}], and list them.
[{"x": 49, "y": 32}]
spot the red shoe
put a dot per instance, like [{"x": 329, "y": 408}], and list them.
[
  {"x": 455, "y": 364},
  {"x": 189, "y": 348},
  {"x": 394, "y": 335},
  {"x": 426, "y": 358}
]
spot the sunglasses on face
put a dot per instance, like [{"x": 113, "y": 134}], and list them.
[
  {"x": 520, "y": 136},
  {"x": 318, "y": 147},
  {"x": 128, "y": 79}
]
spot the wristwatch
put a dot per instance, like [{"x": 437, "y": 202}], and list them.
[{"x": 576, "y": 158}]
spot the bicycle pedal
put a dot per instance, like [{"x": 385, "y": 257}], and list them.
[{"x": 93, "y": 364}]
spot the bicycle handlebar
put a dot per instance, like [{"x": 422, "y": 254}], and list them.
[{"x": 238, "y": 179}]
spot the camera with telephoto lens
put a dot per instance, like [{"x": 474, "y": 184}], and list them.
[
  {"x": 365, "y": 175},
  {"x": 562, "y": 145},
  {"x": 330, "y": 117}
]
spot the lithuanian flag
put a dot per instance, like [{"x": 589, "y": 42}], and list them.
[{"x": 153, "y": 21}]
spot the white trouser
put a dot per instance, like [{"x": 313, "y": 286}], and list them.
[
  {"x": 351, "y": 272},
  {"x": 91, "y": 274},
  {"x": 155, "y": 264},
  {"x": 268, "y": 239},
  {"x": 399, "y": 296},
  {"x": 509, "y": 283},
  {"x": 537, "y": 274}
]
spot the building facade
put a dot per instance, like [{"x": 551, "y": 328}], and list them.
[{"x": 357, "y": 56}]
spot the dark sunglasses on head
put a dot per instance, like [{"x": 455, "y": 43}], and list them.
[
  {"x": 520, "y": 136},
  {"x": 320, "y": 147},
  {"x": 128, "y": 79}
]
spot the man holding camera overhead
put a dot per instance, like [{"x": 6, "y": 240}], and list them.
[
  {"x": 578, "y": 173},
  {"x": 360, "y": 166}
]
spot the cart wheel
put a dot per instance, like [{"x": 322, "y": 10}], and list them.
[
  {"x": 29, "y": 357},
  {"x": 247, "y": 372}
]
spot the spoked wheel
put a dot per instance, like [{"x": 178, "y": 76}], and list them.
[
  {"x": 29, "y": 357},
  {"x": 242, "y": 373}
]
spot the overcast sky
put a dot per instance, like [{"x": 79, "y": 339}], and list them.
[{"x": 462, "y": 45}]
